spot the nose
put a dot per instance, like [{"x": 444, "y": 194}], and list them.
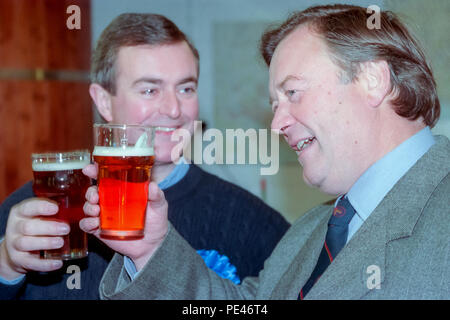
[
  {"x": 282, "y": 119},
  {"x": 170, "y": 105}
]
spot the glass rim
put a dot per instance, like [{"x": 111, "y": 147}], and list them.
[
  {"x": 59, "y": 154},
  {"x": 123, "y": 126}
]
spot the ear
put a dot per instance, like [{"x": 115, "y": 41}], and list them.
[
  {"x": 102, "y": 100},
  {"x": 375, "y": 77}
]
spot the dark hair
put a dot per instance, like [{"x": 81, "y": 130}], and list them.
[
  {"x": 131, "y": 29},
  {"x": 350, "y": 42}
]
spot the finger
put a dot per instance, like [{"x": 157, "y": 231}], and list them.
[
  {"x": 92, "y": 194},
  {"x": 89, "y": 225},
  {"x": 41, "y": 227},
  {"x": 28, "y": 243},
  {"x": 91, "y": 170},
  {"x": 36, "y": 207},
  {"x": 42, "y": 265},
  {"x": 92, "y": 210}
]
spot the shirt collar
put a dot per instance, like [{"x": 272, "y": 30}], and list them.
[
  {"x": 370, "y": 189},
  {"x": 175, "y": 175}
]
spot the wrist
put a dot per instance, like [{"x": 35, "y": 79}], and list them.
[
  {"x": 140, "y": 262},
  {"x": 153, "y": 246},
  {"x": 7, "y": 270}
]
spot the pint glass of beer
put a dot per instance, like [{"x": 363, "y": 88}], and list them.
[
  {"x": 125, "y": 156},
  {"x": 58, "y": 177}
]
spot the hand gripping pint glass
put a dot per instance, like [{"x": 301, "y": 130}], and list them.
[
  {"x": 58, "y": 177},
  {"x": 125, "y": 156}
]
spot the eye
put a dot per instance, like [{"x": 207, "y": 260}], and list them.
[
  {"x": 149, "y": 92},
  {"x": 290, "y": 93},
  {"x": 293, "y": 95},
  {"x": 188, "y": 90}
]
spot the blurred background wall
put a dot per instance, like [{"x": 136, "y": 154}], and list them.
[
  {"x": 233, "y": 78},
  {"x": 44, "y": 79}
]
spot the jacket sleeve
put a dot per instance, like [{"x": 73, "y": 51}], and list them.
[
  {"x": 12, "y": 291},
  {"x": 175, "y": 271}
]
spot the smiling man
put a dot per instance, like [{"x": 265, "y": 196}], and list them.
[
  {"x": 356, "y": 105},
  {"x": 155, "y": 86},
  {"x": 337, "y": 126},
  {"x": 144, "y": 71}
]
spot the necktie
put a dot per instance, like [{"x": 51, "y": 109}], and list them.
[{"x": 334, "y": 241}]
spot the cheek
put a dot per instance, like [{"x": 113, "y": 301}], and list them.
[
  {"x": 123, "y": 110},
  {"x": 189, "y": 114},
  {"x": 134, "y": 110},
  {"x": 190, "y": 109},
  {"x": 163, "y": 149}
]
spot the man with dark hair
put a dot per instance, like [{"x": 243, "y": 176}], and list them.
[
  {"x": 356, "y": 105},
  {"x": 144, "y": 71}
]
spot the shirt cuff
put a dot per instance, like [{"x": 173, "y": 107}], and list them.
[
  {"x": 130, "y": 268},
  {"x": 14, "y": 281}
]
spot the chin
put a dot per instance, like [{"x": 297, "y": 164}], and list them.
[
  {"x": 310, "y": 183},
  {"x": 308, "y": 180},
  {"x": 319, "y": 183},
  {"x": 164, "y": 156}
]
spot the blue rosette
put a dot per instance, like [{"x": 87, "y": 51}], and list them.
[{"x": 220, "y": 264}]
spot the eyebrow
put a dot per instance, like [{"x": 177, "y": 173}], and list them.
[
  {"x": 159, "y": 81},
  {"x": 188, "y": 79},
  {"x": 147, "y": 80},
  {"x": 288, "y": 78}
]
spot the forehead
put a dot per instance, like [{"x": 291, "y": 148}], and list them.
[
  {"x": 301, "y": 54},
  {"x": 163, "y": 61}
]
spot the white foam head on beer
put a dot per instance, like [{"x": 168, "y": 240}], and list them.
[
  {"x": 123, "y": 152},
  {"x": 60, "y": 166}
]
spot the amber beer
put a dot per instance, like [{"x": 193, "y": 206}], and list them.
[
  {"x": 58, "y": 177},
  {"x": 124, "y": 171}
]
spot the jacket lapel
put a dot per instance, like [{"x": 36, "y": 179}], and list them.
[{"x": 305, "y": 260}]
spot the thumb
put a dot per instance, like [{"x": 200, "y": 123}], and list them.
[
  {"x": 156, "y": 197},
  {"x": 156, "y": 223}
]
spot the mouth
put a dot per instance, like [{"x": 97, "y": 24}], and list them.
[
  {"x": 303, "y": 144},
  {"x": 165, "y": 130}
]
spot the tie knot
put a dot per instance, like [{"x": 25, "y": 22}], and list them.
[{"x": 342, "y": 213}]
